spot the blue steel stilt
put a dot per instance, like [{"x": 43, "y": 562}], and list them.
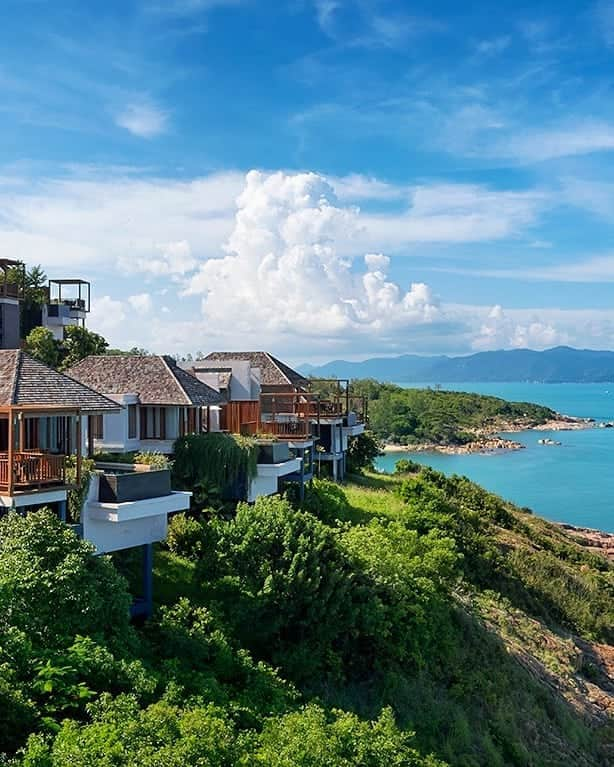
[{"x": 62, "y": 510}]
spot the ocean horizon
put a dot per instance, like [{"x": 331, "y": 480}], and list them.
[{"x": 571, "y": 483}]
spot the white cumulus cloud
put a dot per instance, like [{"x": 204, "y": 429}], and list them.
[
  {"x": 283, "y": 271},
  {"x": 500, "y": 331}
]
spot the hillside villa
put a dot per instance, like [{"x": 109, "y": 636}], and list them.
[
  {"x": 264, "y": 395},
  {"x": 159, "y": 402},
  {"x": 44, "y": 420}
]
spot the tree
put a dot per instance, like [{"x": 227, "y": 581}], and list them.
[
  {"x": 362, "y": 451},
  {"x": 35, "y": 286},
  {"x": 41, "y": 344},
  {"x": 78, "y": 344},
  {"x": 287, "y": 586},
  {"x": 52, "y": 587}
]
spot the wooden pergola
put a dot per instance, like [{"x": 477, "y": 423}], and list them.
[{"x": 30, "y": 469}]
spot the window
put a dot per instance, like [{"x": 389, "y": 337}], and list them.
[
  {"x": 31, "y": 438},
  {"x": 153, "y": 423},
  {"x": 132, "y": 422},
  {"x": 188, "y": 421},
  {"x": 97, "y": 426}
]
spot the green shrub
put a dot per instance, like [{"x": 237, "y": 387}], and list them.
[
  {"x": 186, "y": 536},
  {"x": 407, "y": 466},
  {"x": 53, "y": 587},
  {"x": 195, "y": 653},
  {"x": 286, "y": 586},
  {"x": 327, "y": 501},
  {"x": 152, "y": 458},
  {"x": 215, "y": 459},
  {"x": 310, "y": 737},
  {"x": 123, "y": 734}
]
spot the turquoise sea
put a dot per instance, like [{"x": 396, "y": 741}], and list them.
[{"x": 572, "y": 483}]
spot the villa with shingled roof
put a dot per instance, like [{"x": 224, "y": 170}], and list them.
[
  {"x": 160, "y": 402},
  {"x": 42, "y": 421},
  {"x": 262, "y": 394}
]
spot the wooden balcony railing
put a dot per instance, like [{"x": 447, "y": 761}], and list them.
[
  {"x": 291, "y": 429},
  {"x": 287, "y": 429},
  {"x": 31, "y": 469},
  {"x": 10, "y": 290}
]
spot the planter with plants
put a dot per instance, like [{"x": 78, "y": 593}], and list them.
[
  {"x": 227, "y": 462},
  {"x": 273, "y": 452}
]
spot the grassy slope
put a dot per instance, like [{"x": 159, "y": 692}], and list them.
[
  {"x": 531, "y": 641},
  {"x": 526, "y": 676}
]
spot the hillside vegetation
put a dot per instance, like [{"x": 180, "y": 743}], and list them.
[
  {"x": 410, "y": 416},
  {"x": 322, "y": 636}
]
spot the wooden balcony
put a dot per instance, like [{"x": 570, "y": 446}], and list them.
[
  {"x": 31, "y": 470},
  {"x": 313, "y": 407},
  {"x": 10, "y": 290},
  {"x": 287, "y": 429}
]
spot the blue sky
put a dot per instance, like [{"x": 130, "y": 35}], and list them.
[{"x": 322, "y": 177}]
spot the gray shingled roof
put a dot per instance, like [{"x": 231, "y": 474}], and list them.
[
  {"x": 26, "y": 381},
  {"x": 273, "y": 372},
  {"x": 156, "y": 380}
]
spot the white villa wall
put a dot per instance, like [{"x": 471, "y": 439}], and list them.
[
  {"x": 115, "y": 427},
  {"x": 262, "y": 486},
  {"x": 116, "y": 526},
  {"x": 115, "y": 536},
  {"x": 244, "y": 381},
  {"x": 57, "y": 324},
  {"x": 266, "y": 481},
  {"x": 214, "y": 418}
]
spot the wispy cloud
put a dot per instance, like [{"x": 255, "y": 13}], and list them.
[
  {"x": 592, "y": 270},
  {"x": 493, "y": 46},
  {"x": 325, "y": 13},
  {"x": 582, "y": 138},
  {"x": 143, "y": 119},
  {"x": 365, "y": 24}
]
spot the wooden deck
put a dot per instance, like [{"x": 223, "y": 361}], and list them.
[{"x": 31, "y": 470}]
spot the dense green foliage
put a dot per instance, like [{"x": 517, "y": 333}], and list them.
[
  {"x": 214, "y": 463},
  {"x": 313, "y": 637},
  {"x": 78, "y": 493},
  {"x": 78, "y": 343},
  {"x": 439, "y": 417},
  {"x": 148, "y": 457},
  {"x": 41, "y": 344},
  {"x": 362, "y": 451}
]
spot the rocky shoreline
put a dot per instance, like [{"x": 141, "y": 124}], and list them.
[
  {"x": 490, "y": 441},
  {"x": 595, "y": 540}
]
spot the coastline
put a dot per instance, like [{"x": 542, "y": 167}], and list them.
[
  {"x": 490, "y": 441},
  {"x": 594, "y": 540}
]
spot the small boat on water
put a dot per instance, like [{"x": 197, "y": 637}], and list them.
[
  {"x": 606, "y": 425},
  {"x": 548, "y": 441}
]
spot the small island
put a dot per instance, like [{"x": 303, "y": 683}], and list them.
[{"x": 435, "y": 420}]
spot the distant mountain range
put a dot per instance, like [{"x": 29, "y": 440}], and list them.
[{"x": 559, "y": 365}]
